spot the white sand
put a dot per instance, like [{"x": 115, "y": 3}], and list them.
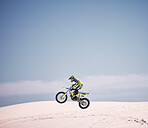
[{"x": 50, "y": 114}]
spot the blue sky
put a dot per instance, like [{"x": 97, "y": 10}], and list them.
[{"x": 48, "y": 40}]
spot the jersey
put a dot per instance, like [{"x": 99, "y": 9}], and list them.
[{"x": 78, "y": 84}]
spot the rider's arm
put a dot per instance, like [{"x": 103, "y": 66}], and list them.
[
  {"x": 77, "y": 82},
  {"x": 72, "y": 86}
]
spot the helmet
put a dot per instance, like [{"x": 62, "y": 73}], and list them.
[{"x": 71, "y": 78}]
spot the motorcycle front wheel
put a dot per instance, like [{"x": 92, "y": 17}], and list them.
[
  {"x": 84, "y": 103},
  {"x": 60, "y": 97}
]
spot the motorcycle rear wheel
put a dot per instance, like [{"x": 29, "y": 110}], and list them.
[{"x": 84, "y": 103}]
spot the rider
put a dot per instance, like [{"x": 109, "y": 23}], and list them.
[{"x": 77, "y": 86}]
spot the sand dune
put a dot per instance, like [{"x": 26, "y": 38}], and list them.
[{"x": 50, "y": 114}]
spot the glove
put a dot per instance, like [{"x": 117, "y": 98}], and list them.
[
  {"x": 71, "y": 88},
  {"x": 73, "y": 85}
]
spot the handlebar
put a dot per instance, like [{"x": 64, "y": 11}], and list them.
[{"x": 66, "y": 88}]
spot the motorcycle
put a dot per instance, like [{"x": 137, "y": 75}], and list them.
[{"x": 61, "y": 97}]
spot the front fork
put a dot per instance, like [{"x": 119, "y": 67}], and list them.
[{"x": 65, "y": 93}]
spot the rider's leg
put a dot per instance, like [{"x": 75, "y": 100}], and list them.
[
  {"x": 76, "y": 92},
  {"x": 80, "y": 87}
]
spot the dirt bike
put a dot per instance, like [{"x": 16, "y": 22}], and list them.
[{"x": 61, "y": 97}]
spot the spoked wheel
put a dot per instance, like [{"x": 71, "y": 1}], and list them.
[
  {"x": 60, "y": 97},
  {"x": 84, "y": 103}
]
